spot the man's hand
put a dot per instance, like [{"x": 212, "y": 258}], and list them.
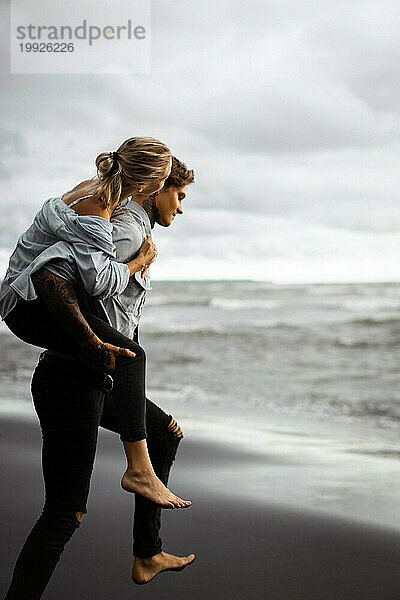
[
  {"x": 101, "y": 355},
  {"x": 59, "y": 296}
]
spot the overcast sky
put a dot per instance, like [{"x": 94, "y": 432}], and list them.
[{"x": 289, "y": 113}]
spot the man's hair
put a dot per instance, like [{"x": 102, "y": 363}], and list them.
[{"x": 180, "y": 175}]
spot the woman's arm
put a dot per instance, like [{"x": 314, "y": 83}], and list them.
[
  {"x": 104, "y": 277},
  {"x": 59, "y": 296}
]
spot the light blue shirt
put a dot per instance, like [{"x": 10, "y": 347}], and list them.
[
  {"x": 130, "y": 226},
  {"x": 76, "y": 245}
]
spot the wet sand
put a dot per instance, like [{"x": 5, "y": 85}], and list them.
[{"x": 244, "y": 548}]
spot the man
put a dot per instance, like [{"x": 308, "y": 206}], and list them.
[
  {"x": 82, "y": 387},
  {"x": 124, "y": 312}
]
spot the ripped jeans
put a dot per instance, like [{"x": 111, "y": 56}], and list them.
[{"x": 71, "y": 402}]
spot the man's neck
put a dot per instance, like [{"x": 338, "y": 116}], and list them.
[{"x": 148, "y": 203}]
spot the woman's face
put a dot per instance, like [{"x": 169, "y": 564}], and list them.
[{"x": 169, "y": 204}]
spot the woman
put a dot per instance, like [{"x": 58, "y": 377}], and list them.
[{"x": 73, "y": 233}]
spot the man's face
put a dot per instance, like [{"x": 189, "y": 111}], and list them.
[{"x": 169, "y": 204}]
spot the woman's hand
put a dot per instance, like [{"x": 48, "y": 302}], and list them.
[
  {"x": 102, "y": 356},
  {"x": 147, "y": 253}
]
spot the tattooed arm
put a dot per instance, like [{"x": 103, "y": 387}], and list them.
[{"x": 60, "y": 298}]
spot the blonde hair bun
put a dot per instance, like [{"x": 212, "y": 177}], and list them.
[{"x": 139, "y": 161}]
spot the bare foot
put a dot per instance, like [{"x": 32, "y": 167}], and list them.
[
  {"x": 145, "y": 569},
  {"x": 149, "y": 486}
]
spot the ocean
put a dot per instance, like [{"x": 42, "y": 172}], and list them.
[{"x": 255, "y": 349}]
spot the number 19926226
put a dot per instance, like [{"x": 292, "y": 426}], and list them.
[{"x": 46, "y": 47}]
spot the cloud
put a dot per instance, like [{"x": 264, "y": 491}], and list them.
[{"x": 289, "y": 114}]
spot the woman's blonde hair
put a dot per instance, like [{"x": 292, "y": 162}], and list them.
[{"x": 139, "y": 161}]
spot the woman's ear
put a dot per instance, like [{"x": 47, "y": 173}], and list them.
[{"x": 140, "y": 189}]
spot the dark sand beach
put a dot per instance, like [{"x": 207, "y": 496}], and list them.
[{"x": 243, "y": 549}]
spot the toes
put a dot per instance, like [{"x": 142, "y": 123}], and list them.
[
  {"x": 175, "y": 499},
  {"x": 178, "y": 502},
  {"x": 183, "y": 503}
]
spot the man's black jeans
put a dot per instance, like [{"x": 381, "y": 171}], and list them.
[
  {"x": 33, "y": 323},
  {"x": 71, "y": 402}
]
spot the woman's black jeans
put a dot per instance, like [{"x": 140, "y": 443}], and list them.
[
  {"x": 71, "y": 402},
  {"x": 33, "y": 323}
]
